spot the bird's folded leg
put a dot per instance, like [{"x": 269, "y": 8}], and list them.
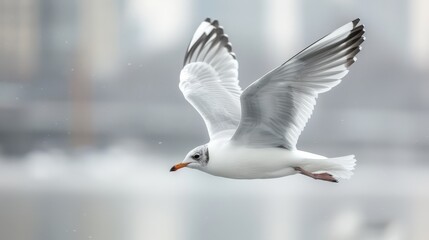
[{"x": 320, "y": 176}]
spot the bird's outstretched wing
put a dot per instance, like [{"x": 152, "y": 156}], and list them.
[
  {"x": 276, "y": 107},
  {"x": 209, "y": 79}
]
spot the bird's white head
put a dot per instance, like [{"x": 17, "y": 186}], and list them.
[{"x": 196, "y": 158}]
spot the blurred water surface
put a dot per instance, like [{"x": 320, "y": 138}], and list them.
[
  {"x": 92, "y": 120},
  {"x": 126, "y": 192}
]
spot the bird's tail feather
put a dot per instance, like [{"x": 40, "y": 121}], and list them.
[{"x": 339, "y": 167}]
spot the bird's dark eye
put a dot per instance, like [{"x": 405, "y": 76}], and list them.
[{"x": 196, "y": 156}]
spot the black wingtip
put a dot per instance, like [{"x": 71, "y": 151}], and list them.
[
  {"x": 356, "y": 21},
  {"x": 219, "y": 30},
  {"x": 224, "y": 40},
  {"x": 215, "y": 23},
  {"x": 228, "y": 46},
  {"x": 220, "y": 36}
]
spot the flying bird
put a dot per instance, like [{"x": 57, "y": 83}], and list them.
[{"x": 253, "y": 133}]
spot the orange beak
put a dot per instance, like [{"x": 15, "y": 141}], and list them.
[{"x": 178, "y": 166}]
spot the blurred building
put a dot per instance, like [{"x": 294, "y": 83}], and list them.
[{"x": 91, "y": 72}]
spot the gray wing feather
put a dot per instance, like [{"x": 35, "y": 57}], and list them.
[{"x": 276, "y": 108}]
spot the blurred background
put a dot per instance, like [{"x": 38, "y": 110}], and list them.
[{"x": 91, "y": 120}]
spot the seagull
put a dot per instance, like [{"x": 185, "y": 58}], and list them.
[{"x": 253, "y": 133}]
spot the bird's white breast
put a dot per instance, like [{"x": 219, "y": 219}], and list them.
[{"x": 234, "y": 161}]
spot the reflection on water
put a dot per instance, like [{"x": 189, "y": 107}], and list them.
[{"x": 128, "y": 193}]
